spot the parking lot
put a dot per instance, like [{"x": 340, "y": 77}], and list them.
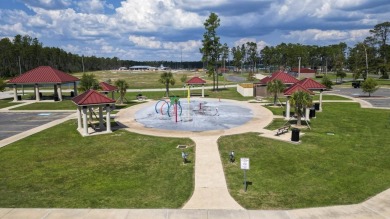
[
  {"x": 12, "y": 123},
  {"x": 380, "y": 98}
]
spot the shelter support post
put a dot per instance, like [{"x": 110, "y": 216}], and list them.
[
  {"x": 37, "y": 96},
  {"x": 75, "y": 88},
  {"x": 288, "y": 108},
  {"x": 85, "y": 123},
  {"x": 79, "y": 115},
  {"x": 307, "y": 113},
  {"x": 202, "y": 90},
  {"x": 101, "y": 126},
  {"x": 15, "y": 92},
  {"x": 320, "y": 100},
  {"x": 90, "y": 114},
  {"x": 108, "y": 118},
  {"x": 113, "y": 95},
  {"x": 55, "y": 91},
  {"x": 59, "y": 92}
]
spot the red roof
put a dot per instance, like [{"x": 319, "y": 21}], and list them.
[
  {"x": 42, "y": 75},
  {"x": 196, "y": 80},
  {"x": 282, "y": 76},
  {"x": 296, "y": 87},
  {"x": 92, "y": 97},
  {"x": 107, "y": 87},
  {"x": 304, "y": 70},
  {"x": 311, "y": 84}
]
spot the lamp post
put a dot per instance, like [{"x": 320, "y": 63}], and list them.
[
  {"x": 366, "y": 73},
  {"x": 299, "y": 67}
]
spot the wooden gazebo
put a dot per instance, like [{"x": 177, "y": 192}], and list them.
[
  {"x": 86, "y": 102},
  {"x": 44, "y": 75}
]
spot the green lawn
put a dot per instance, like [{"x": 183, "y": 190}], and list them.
[
  {"x": 58, "y": 105},
  {"x": 347, "y": 167},
  {"x": 57, "y": 168},
  {"x": 7, "y": 103}
]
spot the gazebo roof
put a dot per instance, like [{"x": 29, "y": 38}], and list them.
[
  {"x": 92, "y": 97},
  {"x": 196, "y": 80},
  {"x": 280, "y": 75},
  {"x": 296, "y": 87},
  {"x": 42, "y": 75},
  {"x": 107, "y": 87},
  {"x": 311, "y": 84}
]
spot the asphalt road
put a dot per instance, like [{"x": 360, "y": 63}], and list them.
[
  {"x": 12, "y": 123},
  {"x": 380, "y": 98}
]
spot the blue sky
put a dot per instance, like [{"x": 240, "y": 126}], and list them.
[{"x": 173, "y": 29}]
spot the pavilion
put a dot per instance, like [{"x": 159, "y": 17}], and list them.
[
  {"x": 313, "y": 85},
  {"x": 86, "y": 102},
  {"x": 108, "y": 88},
  {"x": 44, "y": 75},
  {"x": 260, "y": 88},
  {"x": 196, "y": 81},
  {"x": 289, "y": 92}
]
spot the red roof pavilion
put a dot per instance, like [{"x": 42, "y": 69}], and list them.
[
  {"x": 280, "y": 75},
  {"x": 304, "y": 70},
  {"x": 311, "y": 84},
  {"x": 107, "y": 87},
  {"x": 296, "y": 87},
  {"x": 92, "y": 97},
  {"x": 43, "y": 75},
  {"x": 196, "y": 80}
]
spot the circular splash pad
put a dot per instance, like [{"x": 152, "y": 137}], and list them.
[{"x": 196, "y": 116}]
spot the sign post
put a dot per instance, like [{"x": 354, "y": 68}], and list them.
[{"x": 244, "y": 166}]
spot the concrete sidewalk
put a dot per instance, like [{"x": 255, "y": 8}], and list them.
[{"x": 377, "y": 207}]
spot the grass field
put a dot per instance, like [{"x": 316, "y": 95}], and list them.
[
  {"x": 57, "y": 168},
  {"x": 7, "y": 103},
  {"x": 342, "y": 160}
]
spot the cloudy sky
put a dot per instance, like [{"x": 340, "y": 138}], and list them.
[{"x": 173, "y": 29}]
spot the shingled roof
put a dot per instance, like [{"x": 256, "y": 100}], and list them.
[
  {"x": 42, "y": 75},
  {"x": 92, "y": 97},
  {"x": 196, "y": 80},
  {"x": 280, "y": 75},
  {"x": 107, "y": 87},
  {"x": 311, "y": 84},
  {"x": 296, "y": 87}
]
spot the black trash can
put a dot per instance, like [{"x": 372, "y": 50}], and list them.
[
  {"x": 56, "y": 98},
  {"x": 312, "y": 113},
  {"x": 317, "y": 106},
  {"x": 19, "y": 97},
  {"x": 72, "y": 94},
  {"x": 295, "y": 134}
]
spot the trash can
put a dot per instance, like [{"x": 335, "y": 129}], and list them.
[
  {"x": 295, "y": 134},
  {"x": 19, "y": 97},
  {"x": 72, "y": 94},
  {"x": 317, "y": 106},
  {"x": 56, "y": 98},
  {"x": 312, "y": 113}
]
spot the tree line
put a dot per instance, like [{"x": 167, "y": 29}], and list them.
[
  {"x": 24, "y": 53},
  {"x": 369, "y": 56}
]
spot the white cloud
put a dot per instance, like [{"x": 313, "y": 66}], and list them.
[
  {"x": 328, "y": 35},
  {"x": 149, "y": 15},
  {"x": 145, "y": 42},
  {"x": 260, "y": 44},
  {"x": 153, "y": 43},
  {"x": 91, "y": 6}
]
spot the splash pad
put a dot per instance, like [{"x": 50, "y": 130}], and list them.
[{"x": 195, "y": 115}]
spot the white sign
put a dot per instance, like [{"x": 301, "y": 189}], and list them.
[{"x": 245, "y": 163}]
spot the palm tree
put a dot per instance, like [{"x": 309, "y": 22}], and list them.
[
  {"x": 301, "y": 100},
  {"x": 167, "y": 79},
  {"x": 122, "y": 87},
  {"x": 275, "y": 87},
  {"x": 88, "y": 81}
]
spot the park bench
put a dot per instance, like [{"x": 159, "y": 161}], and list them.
[
  {"x": 282, "y": 130},
  {"x": 141, "y": 98}
]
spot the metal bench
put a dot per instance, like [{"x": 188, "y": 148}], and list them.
[{"x": 282, "y": 130}]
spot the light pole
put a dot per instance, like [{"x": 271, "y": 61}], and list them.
[
  {"x": 299, "y": 67},
  {"x": 365, "y": 51}
]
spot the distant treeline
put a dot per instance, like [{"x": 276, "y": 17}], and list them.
[{"x": 24, "y": 53}]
